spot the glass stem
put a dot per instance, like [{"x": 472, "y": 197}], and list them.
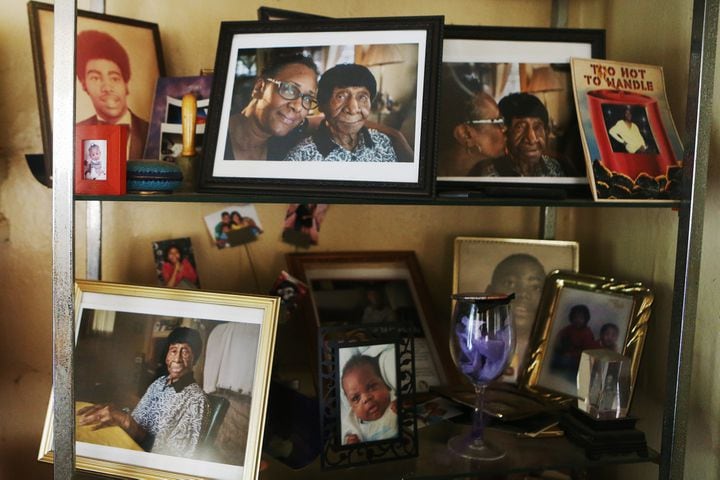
[{"x": 478, "y": 425}]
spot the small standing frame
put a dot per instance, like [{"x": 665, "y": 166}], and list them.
[{"x": 388, "y": 429}]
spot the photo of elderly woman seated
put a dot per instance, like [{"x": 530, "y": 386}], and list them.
[{"x": 163, "y": 385}]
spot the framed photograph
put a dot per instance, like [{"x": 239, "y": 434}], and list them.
[
  {"x": 164, "y": 141},
  {"x": 100, "y": 159},
  {"x": 267, "y": 74},
  {"x": 175, "y": 264},
  {"x": 356, "y": 289},
  {"x": 367, "y": 409},
  {"x": 233, "y": 226},
  {"x": 266, "y": 14},
  {"x": 109, "y": 48},
  {"x": 507, "y": 118},
  {"x": 214, "y": 350},
  {"x": 580, "y": 312},
  {"x": 511, "y": 265}
]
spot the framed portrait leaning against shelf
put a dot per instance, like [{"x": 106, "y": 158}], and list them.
[
  {"x": 512, "y": 265},
  {"x": 294, "y": 80},
  {"x": 169, "y": 383},
  {"x": 355, "y": 289},
  {"x": 507, "y": 116},
  {"x": 581, "y": 312},
  {"x": 111, "y": 50}
]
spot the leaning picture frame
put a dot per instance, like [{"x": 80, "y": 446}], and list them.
[
  {"x": 355, "y": 431},
  {"x": 100, "y": 159},
  {"x": 610, "y": 314},
  {"x": 141, "y": 64},
  {"x": 395, "y": 61},
  {"x": 512, "y": 265},
  {"x": 524, "y": 72},
  {"x": 125, "y": 336},
  {"x": 355, "y": 289}
]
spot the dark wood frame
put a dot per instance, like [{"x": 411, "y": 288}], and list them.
[
  {"x": 43, "y": 79},
  {"x": 544, "y": 187},
  {"x": 115, "y": 137},
  {"x": 268, "y": 14},
  {"x": 272, "y": 180},
  {"x": 435, "y": 330}
]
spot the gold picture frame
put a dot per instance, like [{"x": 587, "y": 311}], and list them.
[
  {"x": 603, "y": 301},
  {"x": 122, "y": 335}
]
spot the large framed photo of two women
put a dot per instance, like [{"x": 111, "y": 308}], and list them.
[
  {"x": 507, "y": 116},
  {"x": 331, "y": 107},
  {"x": 584, "y": 312},
  {"x": 118, "y": 61},
  {"x": 169, "y": 384}
]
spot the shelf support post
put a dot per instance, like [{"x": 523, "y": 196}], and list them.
[
  {"x": 698, "y": 120},
  {"x": 63, "y": 273}
]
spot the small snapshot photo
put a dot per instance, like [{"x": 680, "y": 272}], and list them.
[
  {"x": 302, "y": 223},
  {"x": 233, "y": 226},
  {"x": 95, "y": 164},
  {"x": 583, "y": 320},
  {"x": 628, "y": 129},
  {"x": 368, "y": 377},
  {"x": 175, "y": 264}
]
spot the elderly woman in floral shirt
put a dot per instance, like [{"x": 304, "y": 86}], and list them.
[{"x": 173, "y": 415}]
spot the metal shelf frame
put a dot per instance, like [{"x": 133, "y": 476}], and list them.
[{"x": 687, "y": 266}]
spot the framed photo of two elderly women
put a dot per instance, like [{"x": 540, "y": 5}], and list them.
[
  {"x": 169, "y": 383},
  {"x": 507, "y": 115},
  {"x": 329, "y": 107}
]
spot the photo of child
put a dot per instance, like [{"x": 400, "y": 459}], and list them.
[
  {"x": 583, "y": 320},
  {"x": 368, "y": 402},
  {"x": 95, "y": 165}
]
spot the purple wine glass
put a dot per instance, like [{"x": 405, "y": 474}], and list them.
[{"x": 482, "y": 342}]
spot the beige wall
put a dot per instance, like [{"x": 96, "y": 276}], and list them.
[{"x": 630, "y": 243}]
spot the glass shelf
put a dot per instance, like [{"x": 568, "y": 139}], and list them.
[
  {"x": 450, "y": 199},
  {"x": 436, "y": 462}
]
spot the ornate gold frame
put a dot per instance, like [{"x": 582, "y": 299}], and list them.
[{"x": 556, "y": 283}]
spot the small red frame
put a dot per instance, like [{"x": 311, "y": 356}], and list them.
[{"x": 100, "y": 159}]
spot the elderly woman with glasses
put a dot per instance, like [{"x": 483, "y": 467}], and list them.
[
  {"x": 345, "y": 95},
  {"x": 281, "y": 99},
  {"x": 470, "y": 130},
  {"x": 173, "y": 415}
]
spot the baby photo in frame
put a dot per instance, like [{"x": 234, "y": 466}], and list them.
[
  {"x": 367, "y": 411},
  {"x": 100, "y": 160}
]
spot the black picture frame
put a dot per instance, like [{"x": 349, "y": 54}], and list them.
[
  {"x": 391, "y": 347},
  {"x": 479, "y": 59},
  {"x": 412, "y": 175},
  {"x": 142, "y": 80},
  {"x": 268, "y": 14}
]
